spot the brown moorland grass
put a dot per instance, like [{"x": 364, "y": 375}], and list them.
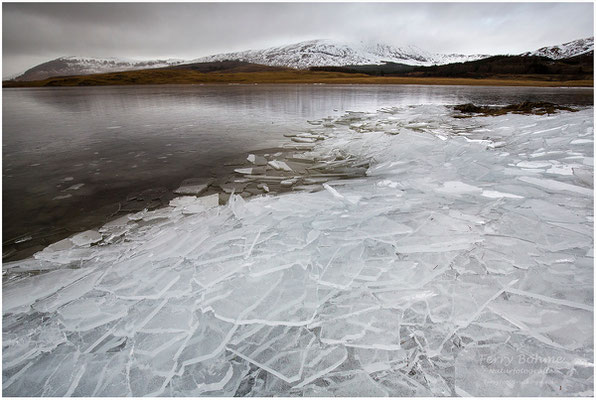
[{"x": 189, "y": 76}]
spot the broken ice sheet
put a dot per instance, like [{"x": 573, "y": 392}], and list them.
[
  {"x": 390, "y": 284},
  {"x": 51, "y": 376},
  {"x": 346, "y": 384},
  {"x": 343, "y": 267},
  {"x": 373, "y": 360},
  {"x": 279, "y": 350},
  {"x": 546, "y": 321},
  {"x": 86, "y": 238},
  {"x": 307, "y": 364},
  {"x": 192, "y": 205},
  {"x": 173, "y": 316},
  {"x": 232, "y": 300},
  {"x": 194, "y": 186},
  {"x": 215, "y": 376},
  {"x": 280, "y": 165},
  {"x": 19, "y": 350},
  {"x": 374, "y": 329},
  {"x": 207, "y": 340},
  {"x": 90, "y": 312},
  {"x": 21, "y": 294},
  {"x": 293, "y": 301},
  {"x": 68, "y": 293}
]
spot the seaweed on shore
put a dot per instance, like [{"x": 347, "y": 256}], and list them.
[{"x": 527, "y": 107}]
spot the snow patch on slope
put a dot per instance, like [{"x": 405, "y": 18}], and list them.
[
  {"x": 331, "y": 53},
  {"x": 565, "y": 50},
  {"x": 73, "y": 65},
  {"x": 298, "y": 55}
]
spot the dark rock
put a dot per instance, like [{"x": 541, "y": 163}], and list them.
[{"x": 527, "y": 107}]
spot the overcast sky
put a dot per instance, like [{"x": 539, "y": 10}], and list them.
[{"x": 33, "y": 33}]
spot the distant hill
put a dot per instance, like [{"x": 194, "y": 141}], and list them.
[
  {"x": 578, "y": 67},
  {"x": 575, "y": 68},
  {"x": 238, "y": 72},
  {"x": 565, "y": 50},
  {"x": 316, "y": 53},
  {"x": 370, "y": 69},
  {"x": 228, "y": 67},
  {"x": 66, "y": 66},
  {"x": 325, "y": 55},
  {"x": 299, "y": 55}
]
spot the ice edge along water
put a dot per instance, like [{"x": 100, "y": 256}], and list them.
[{"x": 461, "y": 265}]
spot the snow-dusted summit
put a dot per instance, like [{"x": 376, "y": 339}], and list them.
[
  {"x": 298, "y": 55},
  {"x": 565, "y": 50},
  {"x": 65, "y": 66},
  {"x": 315, "y": 53}
]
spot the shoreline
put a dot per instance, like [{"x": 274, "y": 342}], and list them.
[
  {"x": 223, "y": 181},
  {"x": 27, "y": 244},
  {"x": 273, "y": 170},
  {"x": 132, "y": 78}
]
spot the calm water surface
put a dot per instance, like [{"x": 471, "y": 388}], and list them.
[{"x": 121, "y": 140}]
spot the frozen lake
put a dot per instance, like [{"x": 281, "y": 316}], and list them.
[
  {"x": 70, "y": 154},
  {"x": 460, "y": 264}
]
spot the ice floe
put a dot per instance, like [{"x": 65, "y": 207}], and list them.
[
  {"x": 455, "y": 267},
  {"x": 193, "y": 186},
  {"x": 75, "y": 187}
]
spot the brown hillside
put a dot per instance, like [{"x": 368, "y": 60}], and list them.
[{"x": 227, "y": 72}]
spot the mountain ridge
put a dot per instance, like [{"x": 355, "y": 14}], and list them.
[
  {"x": 77, "y": 65},
  {"x": 325, "y": 52},
  {"x": 301, "y": 55},
  {"x": 565, "y": 50}
]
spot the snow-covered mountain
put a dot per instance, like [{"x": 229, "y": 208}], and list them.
[
  {"x": 565, "y": 50},
  {"x": 298, "y": 55},
  {"x": 65, "y": 66},
  {"x": 331, "y": 53}
]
